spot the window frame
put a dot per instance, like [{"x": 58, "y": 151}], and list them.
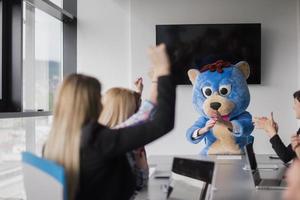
[
  {"x": 12, "y": 47},
  {"x": 1, "y": 28}
]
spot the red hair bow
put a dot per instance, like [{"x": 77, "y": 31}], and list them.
[{"x": 217, "y": 66}]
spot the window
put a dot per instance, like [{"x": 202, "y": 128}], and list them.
[
  {"x": 19, "y": 135},
  {"x": 42, "y": 58},
  {"x": 57, "y": 2},
  {"x": 0, "y": 50},
  {"x": 38, "y": 48}
]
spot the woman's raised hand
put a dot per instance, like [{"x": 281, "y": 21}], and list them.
[
  {"x": 159, "y": 60},
  {"x": 139, "y": 86}
]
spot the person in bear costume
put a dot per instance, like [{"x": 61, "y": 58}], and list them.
[{"x": 221, "y": 96}]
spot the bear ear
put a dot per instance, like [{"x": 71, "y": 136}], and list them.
[
  {"x": 193, "y": 73},
  {"x": 244, "y": 67}
]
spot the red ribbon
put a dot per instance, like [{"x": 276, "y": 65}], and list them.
[{"x": 217, "y": 66}]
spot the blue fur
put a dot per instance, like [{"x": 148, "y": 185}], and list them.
[{"x": 239, "y": 95}]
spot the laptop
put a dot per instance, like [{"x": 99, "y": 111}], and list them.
[
  {"x": 191, "y": 179},
  {"x": 262, "y": 183}
]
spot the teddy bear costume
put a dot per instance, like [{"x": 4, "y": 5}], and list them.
[{"x": 222, "y": 87}]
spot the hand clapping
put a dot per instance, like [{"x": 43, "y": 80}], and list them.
[{"x": 267, "y": 124}]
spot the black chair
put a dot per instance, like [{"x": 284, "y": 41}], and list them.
[{"x": 196, "y": 169}]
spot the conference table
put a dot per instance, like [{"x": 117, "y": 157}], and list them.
[{"x": 231, "y": 179}]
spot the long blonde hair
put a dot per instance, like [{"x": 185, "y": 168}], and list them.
[
  {"x": 78, "y": 102},
  {"x": 118, "y": 105}
]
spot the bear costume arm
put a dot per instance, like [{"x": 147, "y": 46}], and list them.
[
  {"x": 200, "y": 123},
  {"x": 242, "y": 125}
]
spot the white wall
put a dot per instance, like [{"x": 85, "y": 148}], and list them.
[
  {"x": 114, "y": 34},
  {"x": 103, "y": 40}
]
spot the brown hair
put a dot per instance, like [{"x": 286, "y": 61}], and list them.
[
  {"x": 77, "y": 102},
  {"x": 297, "y": 95}
]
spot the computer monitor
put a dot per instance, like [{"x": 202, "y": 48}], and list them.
[{"x": 191, "y": 46}]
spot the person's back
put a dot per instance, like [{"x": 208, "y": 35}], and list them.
[
  {"x": 121, "y": 108},
  {"x": 105, "y": 171},
  {"x": 103, "y": 176},
  {"x": 93, "y": 155}
]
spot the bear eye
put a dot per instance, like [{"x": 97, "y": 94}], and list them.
[
  {"x": 225, "y": 90},
  {"x": 207, "y": 91}
]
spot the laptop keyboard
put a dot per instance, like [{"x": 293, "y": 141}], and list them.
[{"x": 270, "y": 182}]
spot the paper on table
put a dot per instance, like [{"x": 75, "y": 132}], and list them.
[{"x": 229, "y": 157}]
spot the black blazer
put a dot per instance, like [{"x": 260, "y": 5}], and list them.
[
  {"x": 286, "y": 154},
  {"x": 104, "y": 169}
]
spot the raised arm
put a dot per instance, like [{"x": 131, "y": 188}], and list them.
[
  {"x": 148, "y": 106},
  {"x": 141, "y": 116},
  {"x": 122, "y": 140},
  {"x": 118, "y": 141}
]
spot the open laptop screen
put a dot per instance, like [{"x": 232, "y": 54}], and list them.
[
  {"x": 198, "y": 169},
  {"x": 250, "y": 154},
  {"x": 253, "y": 164}
]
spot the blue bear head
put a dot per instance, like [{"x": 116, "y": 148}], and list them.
[{"x": 221, "y": 86}]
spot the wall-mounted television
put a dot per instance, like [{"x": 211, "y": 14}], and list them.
[{"x": 195, "y": 45}]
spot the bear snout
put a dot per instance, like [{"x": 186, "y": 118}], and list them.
[{"x": 215, "y": 105}]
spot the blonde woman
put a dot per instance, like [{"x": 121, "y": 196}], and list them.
[
  {"x": 93, "y": 155},
  {"x": 121, "y": 108}
]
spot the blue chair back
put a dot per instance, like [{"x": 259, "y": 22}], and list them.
[{"x": 43, "y": 179}]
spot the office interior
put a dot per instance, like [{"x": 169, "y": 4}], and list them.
[{"x": 108, "y": 39}]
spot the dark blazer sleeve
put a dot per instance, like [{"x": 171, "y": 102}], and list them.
[
  {"x": 111, "y": 142},
  {"x": 286, "y": 154}
]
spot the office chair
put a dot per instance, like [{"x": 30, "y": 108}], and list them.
[
  {"x": 196, "y": 169},
  {"x": 43, "y": 179}
]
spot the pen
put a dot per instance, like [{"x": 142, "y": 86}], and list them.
[{"x": 274, "y": 157}]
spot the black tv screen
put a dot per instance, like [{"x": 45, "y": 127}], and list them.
[{"x": 195, "y": 45}]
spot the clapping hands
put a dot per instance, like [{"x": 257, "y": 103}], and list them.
[{"x": 268, "y": 124}]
